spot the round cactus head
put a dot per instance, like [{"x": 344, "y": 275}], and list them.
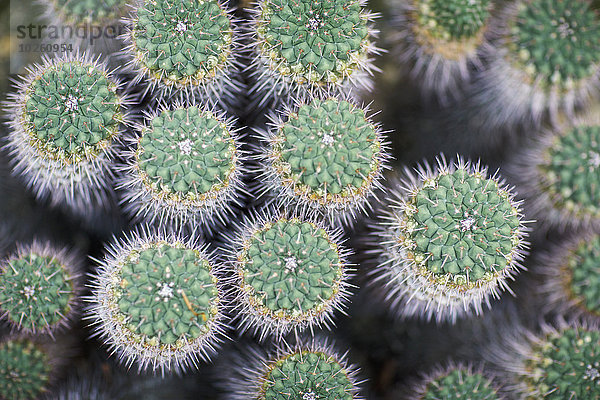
[
  {"x": 568, "y": 172},
  {"x": 456, "y": 382},
  {"x": 290, "y": 274},
  {"x": 555, "y": 41},
  {"x": 25, "y": 369},
  {"x": 455, "y": 237},
  {"x": 80, "y": 12},
  {"x": 186, "y": 166},
  {"x": 65, "y": 118},
  {"x": 326, "y": 156},
  {"x": 453, "y": 20},
  {"x": 39, "y": 289},
  {"x": 156, "y": 301},
  {"x": 182, "y": 44},
  {"x": 563, "y": 364},
  {"x": 317, "y": 45}
]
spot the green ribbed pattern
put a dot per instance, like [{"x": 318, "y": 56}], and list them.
[
  {"x": 460, "y": 384},
  {"x": 584, "y": 270},
  {"x": 318, "y": 40},
  {"x": 90, "y": 11},
  {"x": 461, "y": 224},
  {"x": 182, "y": 42},
  {"x": 306, "y": 375},
  {"x": 327, "y": 148},
  {"x": 35, "y": 291},
  {"x": 290, "y": 268},
  {"x": 186, "y": 153},
  {"x": 24, "y": 370},
  {"x": 557, "y": 40},
  {"x": 72, "y": 112},
  {"x": 571, "y": 168},
  {"x": 570, "y": 365},
  {"x": 453, "y": 19},
  {"x": 168, "y": 294}
]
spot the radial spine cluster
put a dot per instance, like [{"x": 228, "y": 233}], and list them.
[
  {"x": 452, "y": 239},
  {"x": 183, "y": 168},
  {"x": 40, "y": 288},
  {"x": 65, "y": 118},
  {"x": 325, "y": 157},
  {"x": 157, "y": 302},
  {"x": 308, "y": 47},
  {"x": 290, "y": 274},
  {"x": 183, "y": 45}
]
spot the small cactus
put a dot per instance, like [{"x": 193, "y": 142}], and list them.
[
  {"x": 456, "y": 381},
  {"x": 546, "y": 61},
  {"x": 40, "y": 288},
  {"x": 311, "y": 48},
  {"x": 440, "y": 40},
  {"x": 290, "y": 274},
  {"x": 558, "y": 175},
  {"x": 26, "y": 369},
  {"x": 82, "y": 12},
  {"x": 312, "y": 371},
  {"x": 183, "y": 168},
  {"x": 453, "y": 237},
  {"x": 157, "y": 301},
  {"x": 65, "y": 118},
  {"x": 183, "y": 45},
  {"x": 324, "y": 157}
]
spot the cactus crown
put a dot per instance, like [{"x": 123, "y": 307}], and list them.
[
  {"x": 327, "y": 153},
  {"x": 36, "y": 290},
  {"x": 556, "y": 40},
  {"x": 183, "y": 43},
  {"x": 461, "y": 226},
  {"x": 319, "y": 42},
  {"x": 24, "y": 370},
  {"x": 566, "y": 364},
  {"x": 454, "y": 19},
  {"x": 582, "y": 275},
  {"x": 89, "y": 11},
  {"x": 570, "y": 170},
  {"x": 71, "y": 111},
  {"x": 306, "y": 375},
  {"x": 186, "y": 156},
  {"x": 291, "y": 270},
  {"x": 459, "y": 383}
]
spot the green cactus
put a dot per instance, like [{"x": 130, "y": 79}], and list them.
[
  {"x": 456, "y": 382},
  {"x": 39, "y": 289},
  {"x": 157, "y": 301},
  {"x": 179, "y": 44},
  {"x": 79, "y": 12},
  {"x": 452, "y": 20},
  {"x": 326, "y": 156},
  {"x": 290, "y": 274},
  {"x": 186, "y": 166},
  {"x": 563, "y": 364},
  {"x": 555, "y": 41},
  {"x": 455, "y": 237},
  {"x": 312, "y": 45},
  {"x": 25, "y": 369}
]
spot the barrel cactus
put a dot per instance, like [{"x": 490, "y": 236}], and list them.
[
  {"x": 451, "y": 236},
  {"x": 157, "y": 302}
]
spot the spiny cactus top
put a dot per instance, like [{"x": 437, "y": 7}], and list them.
[
  {"x": 564, "y": 364},
  {"x": 290, "y": 274},
  {"x": 65, "y": 117},
  {"x": 186, "y": 165},
  {"x": 180, "y": 44},
  {"x": 39, "y": 289},
  {"x": 326, "y": 155},
  {"x": 76, "y": 12},
  {"x": 455, "y": 237},
  {"x": 25, "y": 370},
  {"x": 317, "y": 44},
  {"x": 555, "y": 42},
  {"x": 156, "y": 301}
]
